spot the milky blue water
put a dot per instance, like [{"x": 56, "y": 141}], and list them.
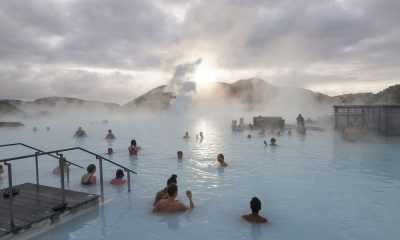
[{"x": 312, "y": 186}]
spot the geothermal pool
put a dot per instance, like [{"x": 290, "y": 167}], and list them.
[{"x": 311, "y": 187}]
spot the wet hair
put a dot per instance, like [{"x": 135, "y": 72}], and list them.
[
  {"x": 119, "y": 173},
  {"x": 221, "y": 155},
  {"x": 91, "y": 168},
  {"x": 172, "y": 179},
  {"x": 179, "y": 153},
  {"x": 109, "y": 130},
  {"x": 172, "y": 189},
  {"x": 133, "y": 142},
  {"x": 273, "y": 140},
  {"x": 255, "y": 205}
]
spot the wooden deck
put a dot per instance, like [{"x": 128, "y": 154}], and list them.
[{"x": 33, "y": 207}]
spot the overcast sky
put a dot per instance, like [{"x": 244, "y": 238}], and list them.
[{"x": 115, "y": 50}]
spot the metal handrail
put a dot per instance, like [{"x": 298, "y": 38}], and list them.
[
  {"x": 66, "y": 150},
  {"x": 62, "y": 161},
  {"x": 37, "y": 149}
]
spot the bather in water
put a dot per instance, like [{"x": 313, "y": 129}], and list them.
[
  {"x": 80, "y": 133},
  {"x": 119, "y": 178},
  {"x": 254, "y": 217},
  {"x": 162, "y": 194},
  {"x": 65, "y": 164},
  {"x": 110, "y": 134},
  {"x": 133, "y": 148},
  {"x": 171, "y": 205},
  {"x": 186, "y": 135},
  {"x": 273, "y": 142},
  {"x": 89, "y": 178},
  {"x": 221, "y": 160},
  {"x": 179, "y": 154}
]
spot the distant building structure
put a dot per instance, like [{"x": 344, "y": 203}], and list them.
[
  {"x": 268, "y": 122},
  {"x": 241, "y": 122},
  {"x": 380, "y": 119}
]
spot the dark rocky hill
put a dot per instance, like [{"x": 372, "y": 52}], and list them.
[
  {"x": 47, "y": 106},
  {"x": 7, "y": 108},
  {"x": 155, "y": 99},
  {"x": 390, "y": 95}
]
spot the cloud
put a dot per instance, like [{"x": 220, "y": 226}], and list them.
[
  {"x": 293, "y": 38},
  {"x": 53, "y": 44},
  {"x": 25, "y": 82}
]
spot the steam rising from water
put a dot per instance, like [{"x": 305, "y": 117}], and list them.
[{"x": 182, "y": 85}]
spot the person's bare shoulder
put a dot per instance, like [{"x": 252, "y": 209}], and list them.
[
  {"x": 246, "y": 217},
  {"x": 263, "y": 220},
  {"x": 158, "y": 207}
]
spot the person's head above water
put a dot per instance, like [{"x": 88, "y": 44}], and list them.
[
  {"x": 110, "y": 151},
  {"x": 273, "y": 141},
  {"x": 220, "y": 157},
  {"x": 91, "y": 168},
  {"x": 133, "y": 142},
  {"x": 172, "y": 179},
  {"x": 179, "y": 154},
  {"x": 119, "y": 173},
  {"x": 80, "y": 128},
  {"x": 109, "y": 131},
  {"x": 172, "y": 190},
  {"x": 255, "y": 205}
]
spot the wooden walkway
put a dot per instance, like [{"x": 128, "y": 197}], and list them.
[{"x": 33, "y": 206}]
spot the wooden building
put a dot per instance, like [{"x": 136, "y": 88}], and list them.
[
  {"x": 380, "y": 119},
  {"x": 268, "y": 122}
]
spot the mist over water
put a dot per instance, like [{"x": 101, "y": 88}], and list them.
[{"x": 314, "y": 186}]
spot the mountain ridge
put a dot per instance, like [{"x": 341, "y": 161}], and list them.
[{"x": 251, "y": 92}]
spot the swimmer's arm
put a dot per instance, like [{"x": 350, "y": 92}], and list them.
[
  {"x": 189, "y": 195},
  {"x": 191, "y": 203},
  {"x": 93, "y": 180}
]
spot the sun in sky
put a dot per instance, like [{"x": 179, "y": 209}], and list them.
[{"x": 205, "y": 74}]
